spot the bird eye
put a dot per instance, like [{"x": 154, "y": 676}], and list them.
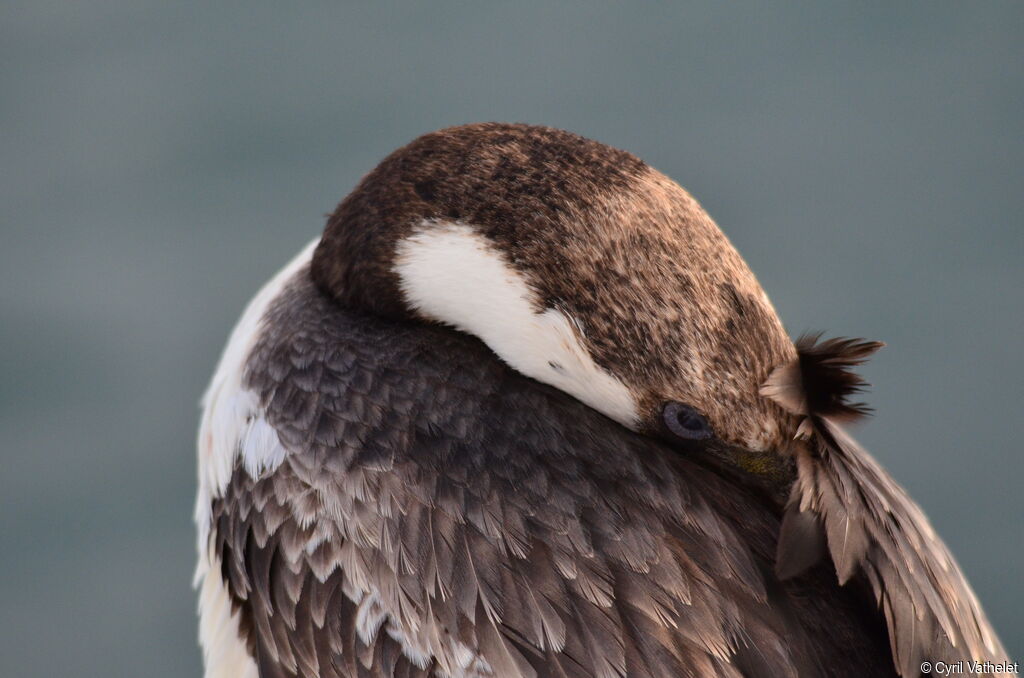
[{"x": 685, "y": 422}]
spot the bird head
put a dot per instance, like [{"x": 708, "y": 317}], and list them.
[{"x": 579, "y": 266}]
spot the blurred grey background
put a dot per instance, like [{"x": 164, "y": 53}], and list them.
[{"x": 160, "y": 160}]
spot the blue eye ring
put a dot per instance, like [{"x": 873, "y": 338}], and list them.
[{"x": 685, "y": 422}]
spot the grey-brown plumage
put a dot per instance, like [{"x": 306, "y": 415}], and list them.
[
  {"x": 558, "y": 541},
  {"x": 433, "y": 511}
]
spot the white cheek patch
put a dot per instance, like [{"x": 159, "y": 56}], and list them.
[{"x": 451, "y": 274}]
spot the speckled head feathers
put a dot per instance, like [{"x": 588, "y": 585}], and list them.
[{"x": 577, "y": 263}]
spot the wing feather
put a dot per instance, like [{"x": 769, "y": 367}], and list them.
[{"x": 875, "y": 531}]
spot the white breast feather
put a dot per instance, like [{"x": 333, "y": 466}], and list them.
[{"x": 231, "y": 424}]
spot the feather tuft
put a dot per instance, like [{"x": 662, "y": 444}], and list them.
[{"x": 821, "y": 380}]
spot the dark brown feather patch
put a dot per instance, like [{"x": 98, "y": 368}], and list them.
[
  {"x": 827, "y": 376},
  {"x": 821, "y": 380}
]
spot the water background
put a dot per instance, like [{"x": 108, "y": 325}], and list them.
[{"x": 159, "y": 161}]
